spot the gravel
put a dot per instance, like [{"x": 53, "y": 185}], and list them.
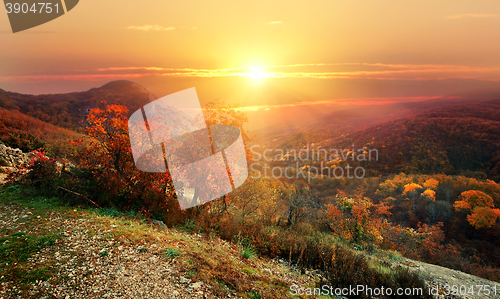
[{"x": 87, "y": 262}]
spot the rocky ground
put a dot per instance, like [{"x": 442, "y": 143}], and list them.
[
  {"x": 96, "y": 256},
  {"x": 10, "y": 159},
  {"x": 451, "y": 281},
  {"x": 89, "y": 263}
]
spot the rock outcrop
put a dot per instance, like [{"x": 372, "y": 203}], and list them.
[{"x": 12, "y": 157}]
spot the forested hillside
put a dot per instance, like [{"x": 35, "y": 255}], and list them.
[
  {"x": 337, "y": 125},
  {"x": 443, "y": 209},
  {"x": 69, "y": 110},
  {"x": 19, "y": 130},
  {"x": 455, "y": 139}
]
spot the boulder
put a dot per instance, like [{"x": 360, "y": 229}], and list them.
[{"x": 12, "y": 157}]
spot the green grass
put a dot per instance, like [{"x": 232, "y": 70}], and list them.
[
  {"x": 172, "y": 253},
  {"x": 30, "y": 198},
  {"x": 248, "y": 253},
  {"x": 112, "y": 212},
  {"x": 19, "y": 246},
  {"x": 189, "y": 226},
  {"x": 248, "y": 270},
  {"x": 191, "y": 274},
  {"x": 16, "y": 249},
  {"x": 38, "y": 273},
  {"x": 254, "y": 295}
]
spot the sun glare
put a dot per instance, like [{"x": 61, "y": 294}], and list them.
[{"x": 257, "y": 73}]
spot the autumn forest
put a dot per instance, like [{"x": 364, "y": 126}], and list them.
[{"x": 432, "y": 194}]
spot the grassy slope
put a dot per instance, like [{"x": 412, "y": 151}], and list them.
[
  {"x": 13, "y": 121},
  {"x": 54, "y": 251}
]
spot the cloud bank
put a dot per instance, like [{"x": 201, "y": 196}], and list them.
[{"x": 324, "y": 71}]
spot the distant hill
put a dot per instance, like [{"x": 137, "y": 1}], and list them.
[
  {"x": 452, "y": 139},
  {"x": 69, "y": 110},
  {"x": 337, "y": 125},
  {"x": 52, "y": 120}
]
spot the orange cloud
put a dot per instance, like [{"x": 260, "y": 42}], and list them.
[
  {"x": 346, "y": 102},
  {"x": 375, "y": 71},
  {"x": 370, "y": 71}
]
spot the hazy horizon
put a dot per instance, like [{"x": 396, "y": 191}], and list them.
[{"x": 261, "y": 53}]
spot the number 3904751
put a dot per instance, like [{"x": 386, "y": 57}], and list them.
[{"x": 35, "y": 8}]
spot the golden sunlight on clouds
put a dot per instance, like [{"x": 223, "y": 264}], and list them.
[
  {"x": 346, "y": 102},
  {"x": 370, "y": 71},
  {"x": 274, "y": 23}
]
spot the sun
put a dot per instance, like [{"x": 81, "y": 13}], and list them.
[{"x": 257, "y": 73}]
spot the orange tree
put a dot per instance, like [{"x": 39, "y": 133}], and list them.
[
  {"x": 481, "y": 207},
  {"x": 357, "y": 218},
  {"x": 108, "y": 169}
]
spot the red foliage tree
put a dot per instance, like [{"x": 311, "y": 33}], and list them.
[{"x": 117, "y": 181}]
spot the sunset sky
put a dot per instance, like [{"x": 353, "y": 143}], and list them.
[{"x": 262, "y": 53}]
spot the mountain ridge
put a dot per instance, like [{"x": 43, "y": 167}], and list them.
[
  {"x": 68, "y": 110},
  {"x": 451, "y": 139}
]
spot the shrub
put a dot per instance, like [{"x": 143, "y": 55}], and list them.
[
  {"x": 40, "y": 173},
  {"x": 345, "y": 268},
  {"x": 309, "y": 248},
  {"x": 24, "y": 141},
  {"x": 481, "y": 206},
  {"x": 42, "y": 170}
]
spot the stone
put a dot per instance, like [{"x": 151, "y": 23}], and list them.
[
  {"x": 196, "y": 285},
  {"x": 11, "y": 157},
  {"x": 158, "y": 222}
]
